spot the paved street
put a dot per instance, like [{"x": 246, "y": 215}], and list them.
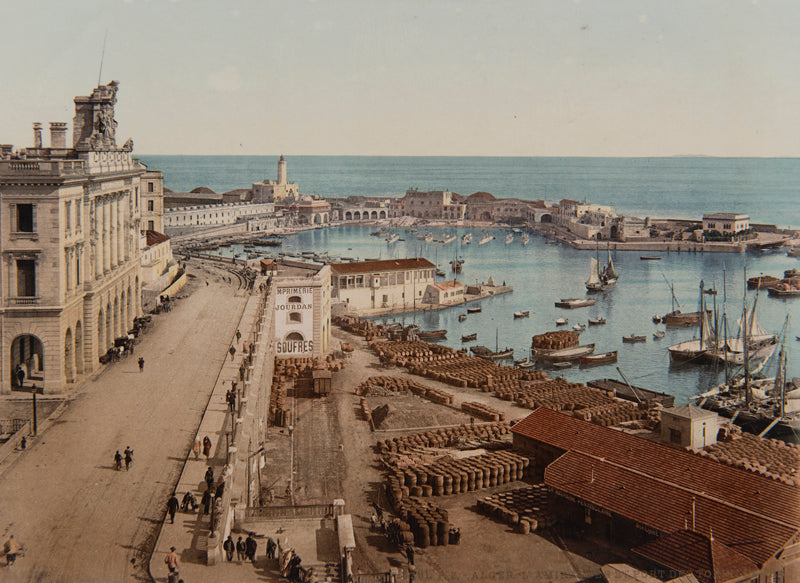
[{"x": 79, "y": 519}]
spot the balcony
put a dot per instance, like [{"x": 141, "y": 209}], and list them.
[
  {"x": 12, "y": 168},
  {"x": 23, "y": 301}
]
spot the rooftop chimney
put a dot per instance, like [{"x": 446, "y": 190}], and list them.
[
  {"x": 37, "y": 134},
  {"x": 58, "y": 134}
]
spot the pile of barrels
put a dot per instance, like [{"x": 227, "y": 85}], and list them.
[
  {"x": 399, "y": 384},
  {"x": 612, "y": 413},
  {"x": 483, "y": 411},
  {"x": 355, "y": 325},
  {"x": 445, "y": 437},
  {"x": 454, "y": 476},
  {"x": 525, "y": 509},
  {"x": 555, "y": 340},
  {"x": 773, "y": 458},
  {"x": 278, "y": 415},
  {"x": 559, "y": 395},
  {"x": 401, "y": 352},
  {"x": 421, "y": 522},
  {"x": 365, "y": 410}
]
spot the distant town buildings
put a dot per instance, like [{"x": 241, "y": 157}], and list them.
[
  {"x": 71, "y": 245},
  {"x": 277, "y": 191},
  {"x": 725, "y": 226},
  {"x": 380, "y": 284}
]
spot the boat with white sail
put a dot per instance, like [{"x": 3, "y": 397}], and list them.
[{"x": 601, "y": 280}]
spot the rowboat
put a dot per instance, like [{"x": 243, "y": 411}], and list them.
[
  {"x": 462, "y": 317},
  {"x": 649, "y": 257},
  {"x": 524, "y": 363},
  {"x": 474, "y": 310},
  {"x": 565, "y": 354},
  {"x": 571, "y": 303},
  {"x": 469, "y": 337},
  {"x": 634, "y": 338},
  {"x": 432, "y": 334},
  {"x": 579, "y": 327},
  {"x": 524, "y": 314},
  {"x": 600, "y": 358},
  {"x": 488, "y": 354},
  {"x": 659, "y": 334},
  {"x": 597, "y": 321},
  {"x": 562, "y": 322}
]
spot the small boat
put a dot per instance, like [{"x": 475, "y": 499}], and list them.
[
  {"x": 599, "y": 358},
  {"x": 448, "y": 239},
  {"x": 466, "y": 239},
  {"x": 634, "y": 338},
  {"x": 488, "y": 354},
  {"x": 710, "y": 292},
  {"x": 393, "y": 238},
  {"x": 474, "y": 310},
  {"x": 462, "y": 317},
  {"x": 571, "y": 303},
  {"x": 432, "y": 334},
  {"x": 656, "y": 319},
  {"x": 649, "y": 257},
  {"x": 579, "y": 327},
  {"x": 597, "y": 321},
  {"x": 659, "y": 334},
  {"x": 525, "y": 363},
  {"x": 562, "y": 322},
  {"x": 601, "y": 279},
  {"x": 485, "y": 239},
  {"x": 525, "y": 238},
  {"x": 781, "y": 292},
  {"x": 565, "y": 354},
  {"x": 509, "y": 238},
  {"x": 427, "y": 237},
  {"x": 524, "y": 314},
  {"x": 455, "y": 265},
  {"x": 469, "y": 337},
  {"x": 440, "y": 273}
]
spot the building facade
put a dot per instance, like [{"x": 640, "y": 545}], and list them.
[
  {"x": 379, "y": 285},
  {"x": 70, "y": 272},
  {"x": 727, "y": 225},
  {"x": 302, "y": 317},
  {"x": 277, "y": 191},
  {"x": 444, "y": 292},
  {"x": 152, "y": 193},
  {"x": 430, "y": 204},
  {"x": 215, "y": 215}
]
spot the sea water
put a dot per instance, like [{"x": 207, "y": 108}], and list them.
[{"x": 542, "y": 273}]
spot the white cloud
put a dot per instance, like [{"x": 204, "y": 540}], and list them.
[{"x": 226, "y": 80}]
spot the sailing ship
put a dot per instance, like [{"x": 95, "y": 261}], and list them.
[
  {"x": 393, "y": 238},
  {"x": 601, "y": 280},
  {"x": 677, "y": 318},
  {"x": 751, "y": 338},
  {"x": 509, "y": 238},
  {"x": 525, "y": 238},
  {"x": 485, "y": 239},
  {"x": 693, "y": 350}
]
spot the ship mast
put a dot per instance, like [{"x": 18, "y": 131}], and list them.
[{"x": 745, "y": 344}]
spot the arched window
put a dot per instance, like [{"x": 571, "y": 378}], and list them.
[
  {"x": 295, "y": 300},
  {"x": 295, "y": 317}
]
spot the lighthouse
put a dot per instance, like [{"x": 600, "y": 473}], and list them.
[{"x": 281, "y": 170}]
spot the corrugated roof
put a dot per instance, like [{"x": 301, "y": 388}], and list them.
[
  {"x": 754, "y": 492},
  {"x": 382, "y": 265},
  {"x": 707, "y": 558},
  {"x": 666, "y": 506}
]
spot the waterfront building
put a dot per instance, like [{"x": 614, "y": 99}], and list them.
[
  {"x": 215, "y": 215},
  {"x": 390, "y": 284},
  {"x": 307, "y": 210},
  {"x": 444, "y": 292},
  {"x": 728, "y": 226},
  {"x": 483, "y": 206},
  {"x": 360, "y": 208},
  {"x": 200, "y": 196},
  {"x": 277, "y": 191},
  {"x": 70, "y": 270},
  {"x": 689, "y": 426},
  {"x": 431, "y": 204},
  {"x": 302, "y": 307},
  {"x": 636, "y": 492}
]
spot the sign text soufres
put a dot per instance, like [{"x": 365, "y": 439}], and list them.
[{"x": 294, "y": 346}]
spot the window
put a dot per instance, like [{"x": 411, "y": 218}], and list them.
[
  {"x": 295, "y": 300},
  {"x": 150, "y": 188},
  {"x": 26, "y": 277},
  {"x": 674, "y": 436},
  {"x": 24, "y": 218},
  {"x": 150, "y": 205},
  {"x": 151, "y": 226},
  {"x": 295, "y": 317}
]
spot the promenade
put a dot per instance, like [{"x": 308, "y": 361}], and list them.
[{"x": 79, "y": 519}]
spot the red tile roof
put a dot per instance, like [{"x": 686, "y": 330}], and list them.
[
  {"x": 154, "y": 237},
  {"x": 384, "y": 265},
  {"x": 752, "y": 492},
  {"x": 666, "y": 506},
  {"x": 707, "y": 558}
]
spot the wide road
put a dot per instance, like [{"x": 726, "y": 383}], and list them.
[{"x": 79, "y": 519}]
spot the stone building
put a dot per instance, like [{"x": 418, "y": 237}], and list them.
[
  {"x": 70, "y": 271},
  {"x": 430, "y": 204},
  {"x": 277, "y": 191},
  {"x": 152, "y": 193},
  {"x": 389, "y": 284},
  {"x": 483, "y": 206},
  {"x": 360, "y": 208},
  {"x": 725, "y": 225},
  {"x": 444, "y": 292}
]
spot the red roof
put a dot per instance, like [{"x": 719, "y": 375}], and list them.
[
  {"x": 445, "y": 285},
  {"x": 480, "y": 195},
  {"x": 154, "y": 238},
  {"x": 753, "y": 492},
  {"x": 707, "y": 558},
  {"x": 384, "y": 265}
]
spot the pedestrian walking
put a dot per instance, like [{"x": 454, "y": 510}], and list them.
[
  {"x": 141, "y": 363},
  {"x": 171, "y": 560},
  {"x": 172, "y": 508},
  {"x": 12, "y": 548},
  {"x": 410, "y": 554},
  {"x": 206, "y": 446},
  {"x": 196, "y": 446},
  {"x": 210, "y": 477},
  {"x": 240, "y": 550},
  {"x": 238, "y": 336},
  {"x": 251, "y": 547},
  {"x": 128, "y": 457},
  {"x": 270, "y": 548},
  {"x": 229, "y": 548},
  {"x": 206, "y": 501},
  {"x": 189, "y": 502},
  {"x": 117, "y": 461}
]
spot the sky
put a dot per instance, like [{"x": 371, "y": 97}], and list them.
[{"x": 414, "y": 77}]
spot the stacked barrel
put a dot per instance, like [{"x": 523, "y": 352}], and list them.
[
  {"x": 278, "y": 415},
  {"x": 421, "y": 522},
  {"x": 526, "y": 509},
  {"x": 355, "y": 325},
  {"x": 445, "y": 437},
  {"x": 612, "y": 413},
  {"x": 483, "y": 411},
  {"x": 399, "y": 384},
  {"x": 773, "y": 458},
  {"x": 555, "y": 340},
  {"x": 559, "y": 395},
  {"x": 365, "y": 410}
]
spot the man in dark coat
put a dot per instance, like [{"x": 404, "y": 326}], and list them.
[
  {"x": 172, "y": 507},
  {"x": 210, "y": 477},
  {"x": 270, "y": 548},
  {"x": 206, "y": 501},
  {"x": 251, "y": 546},
  {"x": 241, "y": 549},
  {"x": 229, "y": 547}
]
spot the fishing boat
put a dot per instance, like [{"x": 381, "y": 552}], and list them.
[
  {"x": 524, "y": 314},
  {"x": 579, "y": 327},
  {"x": 485, "y": 239},
  {"x": 678, "y": 318},
  {"x": 525, "y": 238},
  {"x": 597, "y": 321},
  {"x": 601, "y": 280},
  {"x": 509, "y": 238},
  {"x": 488, "y": 354},
  {"x": 600, "y": 358},
  {"x": 462, "y": 317},
  {"x": 440, "y": 273},
  {"x": 525, "y": 363},
  {"x": 466, "y": 238},
  {"x": 649, "y": 257},
  {"x": 393, "y": 238},
  {"x": 426, "y": 334},
  {"x": 469, "y": 337},
  {"x": 572, "y": 303},
  {"x": 565, "y": 354},
  {"x": 426, "y": 237},
  {"x": 562, "y": 322},
  {"x": 473, "y": 310},
  {"x": 659, "y": 334},
  {"x": 634, "y": 338},
  {"x": 784, "y": 292},
  {"x": 456, "y": 264}
]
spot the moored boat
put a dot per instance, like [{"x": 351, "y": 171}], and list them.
[
  {"x": 466, "y": 239},
  {"x": 473, "y": 310},
  {"x": 601, "y": 280},
  {"x": 525, "y": 363},
  {"x": 485, "y": 239},
  {"x": 597, "y": 321},
  {"x": 600, "y": 358},
  {"x": 572, "y": 303},
  {"x": 509, "y": 238},
  {"x": 562, "y": 322},
  {"x": 488, "y": 354},
  {"x": 579, "y": 327},
  {"x": 524, "y": 314},
  {"x": 634, "y": 338},
  {"x": 469, "y": 337},
  {"x": 462, "y": 317},
  {"x": 432, "y": 334},
  {"x": 649, "y": 257},
  {"x": 525, "y": 238},
  {"x": 784, "y": 292},
  {"x": 659, "y": 334},
  {"x": 565, "y": 354}
]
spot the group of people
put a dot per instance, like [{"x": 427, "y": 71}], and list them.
[
  {"x": 204, "y": 446},
  {"x": 127, "y": 455},
  {"x": 12, "y": 549},
  {"x": 245, "y": 549}
]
